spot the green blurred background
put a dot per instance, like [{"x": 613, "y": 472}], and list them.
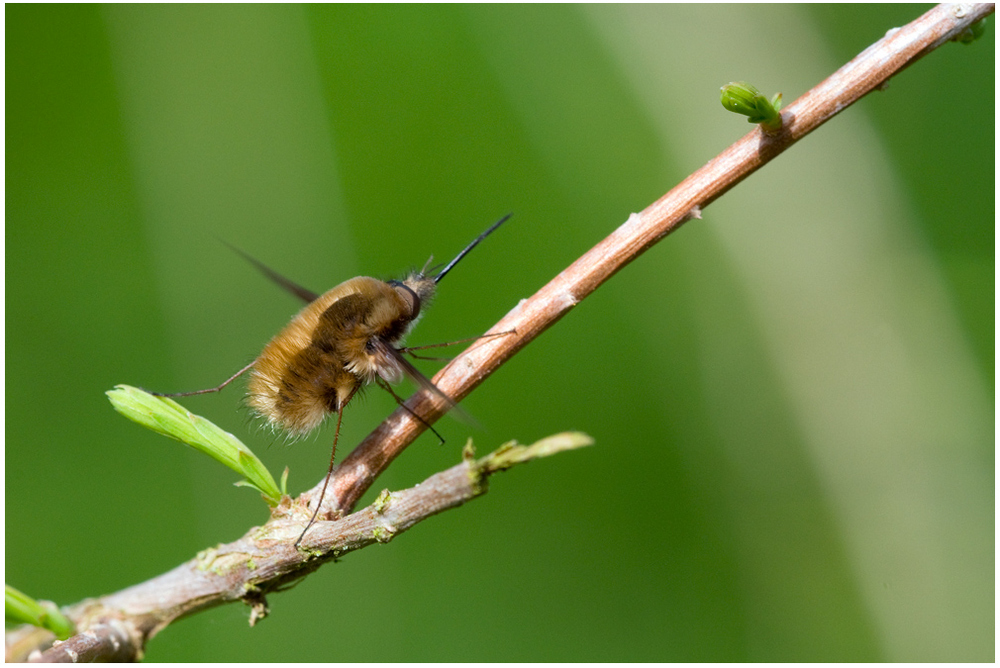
[{"x": 791, "y": 397}]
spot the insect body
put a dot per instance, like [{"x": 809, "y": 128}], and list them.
[{"x": 341, "y": 341}]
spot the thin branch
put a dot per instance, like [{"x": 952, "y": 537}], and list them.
[
  {"x": 110, "y": 641},
  {"x": 870, "y": 70},
  {"x": 264, "y": 559}
]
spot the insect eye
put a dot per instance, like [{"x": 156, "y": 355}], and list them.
[
  {"x": 370, "y": 346},
  {"x": 410, "y": 298}
]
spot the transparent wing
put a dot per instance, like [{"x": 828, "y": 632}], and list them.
[{"x": 414, "y": 374}]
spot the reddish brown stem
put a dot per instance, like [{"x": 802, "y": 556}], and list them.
[{"x": 870, "y": 70}]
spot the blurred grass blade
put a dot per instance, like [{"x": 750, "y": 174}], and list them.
[
  {"x": 169, "y": 418},
  {"x": 21, "y": 608}
]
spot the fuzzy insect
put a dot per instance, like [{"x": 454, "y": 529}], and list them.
[{"x": 340, "y": 342}]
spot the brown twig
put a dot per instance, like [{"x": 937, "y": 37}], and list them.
[
  {"x": 870, "y": 70},
  {"x": 264, "y": 560},
  {"x": 113, "y": 640}
]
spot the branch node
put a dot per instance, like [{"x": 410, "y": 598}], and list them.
[
  {"x": 383, "y": 533},
  {"x": 382, "y": 502}
]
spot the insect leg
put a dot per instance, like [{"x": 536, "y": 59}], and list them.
[
  {"x": 388, "y": 388},
  {"x": 329, "y": 471},
  {"x": 209, "y": 390},
  {"x": 409, "y": 349}
]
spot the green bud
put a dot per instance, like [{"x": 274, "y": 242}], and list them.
[
  {"x": 511, "y": 453},
  {"x": 742, "y": 98}
]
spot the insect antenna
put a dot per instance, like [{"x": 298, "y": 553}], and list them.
[{"x": 448, "y": 267}]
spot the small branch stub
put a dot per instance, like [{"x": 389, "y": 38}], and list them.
[{"x": 972, "y": 33}]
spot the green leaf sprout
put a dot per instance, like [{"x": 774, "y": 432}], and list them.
[
  {"x": 21, "y": 608},
  {"x": 169, "y": 418}
]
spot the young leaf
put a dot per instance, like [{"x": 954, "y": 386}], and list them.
[
  {"x": 169, "y": 418},
  {"x": 19, "y": 607}
]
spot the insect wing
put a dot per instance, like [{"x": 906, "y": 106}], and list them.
[
  {"x": 414, "y": 374},
  {"x": 305, "y": 294}
]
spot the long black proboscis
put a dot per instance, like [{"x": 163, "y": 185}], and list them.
[{"x": 465, "y": 251}]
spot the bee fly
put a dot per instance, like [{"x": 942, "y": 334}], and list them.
[{"x": 340, "y": 342}]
